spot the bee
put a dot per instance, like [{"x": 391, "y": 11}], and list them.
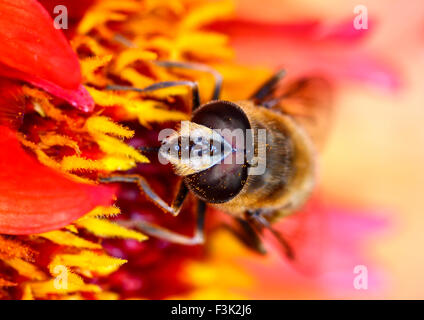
[{"x": 253, "y": 159}]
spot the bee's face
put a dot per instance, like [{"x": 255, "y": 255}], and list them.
[
  {"x": 194, "y": 148},
  {"x": 205, "y": 153}
]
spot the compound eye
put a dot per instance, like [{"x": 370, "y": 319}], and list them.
[{"x": 220, "y": 183}]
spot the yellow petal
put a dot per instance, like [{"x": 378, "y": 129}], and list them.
[
  {"x": 69, "y": 239},
  {"x": 103, "y": 212},
  {"x": 108, "y": 164},
  {"x": 205, "y": 45},
  {"x": 90, "y": 67},
  {"x": 69, "y": 283},
  {"x": 90, "y": 43},
  {"x": 72, "y": 228},
  {"x": 97, "y": 18},
  {"x": 132, "y": 55},
  {"x": 115, "y": 147},
  {"x": 207, "y": 13},
  {"x": 137, "y": 80},
  {"x": 41, "y": 155},
  {"x": 51, "y": 139},
  {"x": 26, "y": 269},
  {"x": 27, "y": 293},
  {"x": 72, "y": 163},
  {"x": 117, "y": 163},
  {"x": 107, "y": 295},
  {"x": 104, "y": 228},
  {"x": 105, "y": 125},
  {"x": 145, "y": 110},
  {"x": 101, "y": 264}
]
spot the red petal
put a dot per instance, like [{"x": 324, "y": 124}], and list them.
[
  {"x": 12, "y": 104},
  {"x": 35, "y": 198},
  {"x": 31, "y": 49}
]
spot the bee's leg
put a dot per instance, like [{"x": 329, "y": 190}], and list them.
[
  {"x": 171, "y": 236},
  {"x": 268, "y": 87},
  {"x": 179, "y": 64},
  {"x": 249, "y": 236},
  {"x": 258, "y": 222},
  {"x": 179, "y": 199},
  {"x": 162, "y": 85},
  {"x": 199, "y": 67},
  {"x": 144, "y": 186}
]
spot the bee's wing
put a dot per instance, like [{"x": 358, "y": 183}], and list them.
[{"x": 309, "y": 102}]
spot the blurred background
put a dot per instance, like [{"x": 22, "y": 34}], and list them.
[
  {"x": 376, "y": 152},
  {"x": 373, "y": 160}
]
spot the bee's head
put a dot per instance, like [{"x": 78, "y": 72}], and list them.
[
  {"x": 194, "y": 148},
  {"x": 209, "y": 151}
]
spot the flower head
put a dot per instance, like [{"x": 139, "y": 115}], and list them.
[{"x": 56, "y": 154}]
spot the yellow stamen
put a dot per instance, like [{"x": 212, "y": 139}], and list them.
[
  {"x": 104, "y": 228},
  {"x": 26, "y": 269},
  {"x": 69, "y": 239},
  {"x": 101, "y": 264}
]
